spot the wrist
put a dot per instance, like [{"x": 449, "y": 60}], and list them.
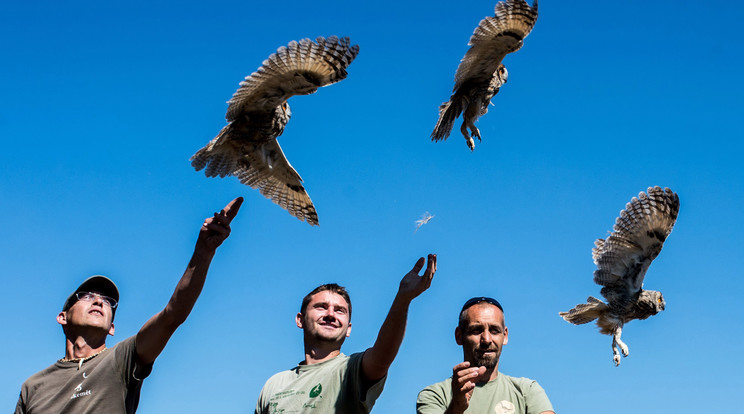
[{"x": 202, "y": 255}]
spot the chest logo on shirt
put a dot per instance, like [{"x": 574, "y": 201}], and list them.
[
  {"x": 315, "y": 391},
  {"x": 504, "y": 407},
  {"x": 78, "y": 392}
]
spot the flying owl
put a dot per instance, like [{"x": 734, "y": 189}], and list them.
[
  {"x": 258, "y": 112},
  {"x": 481, "y": 73},
  {"x": 622, "y": 261}
]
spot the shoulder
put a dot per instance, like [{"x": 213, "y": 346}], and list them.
[
  {"x": 129, "y": 342},
  {"x": 39, "y": 376},
  {"x": 439, "y": 391},
  {"x": 534, "y": 395},
  {"x": 280, "y": 376},
  {"x": 521, "y": 383}
]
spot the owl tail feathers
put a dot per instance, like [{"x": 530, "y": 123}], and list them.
[
  {"x": 448, "y": 112},
  {"x": 585, "y": 312},
  {"x": 219, "y": 157}
]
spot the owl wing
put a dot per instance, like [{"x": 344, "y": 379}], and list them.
[
  {"x": 265, "y": 167},
  {"x": 494, "y": 38},
  {"x": 299, "y": 68},
  {"x": 639, "y": 234}
]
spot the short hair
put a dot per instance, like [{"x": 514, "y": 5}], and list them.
[
  {"x": 474, "y": 301},
  {"x": 331, "y": 287}
]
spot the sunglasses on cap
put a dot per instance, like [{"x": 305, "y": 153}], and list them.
[{"x": 481, "y": 299}]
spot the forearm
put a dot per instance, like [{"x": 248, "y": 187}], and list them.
[
  {"x": 156, "y": 332},
  {"x": 189, "y": 287},
  {"x": 377, "y": 360}
]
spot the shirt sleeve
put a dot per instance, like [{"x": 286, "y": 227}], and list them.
[
  {"x": 20, "y": 405},
  {"x": 536, "y": 399},
  {"x": 261, "y": 408},
  {"x": 366, "y": 391},
  {"x": 432, "y": 400}
]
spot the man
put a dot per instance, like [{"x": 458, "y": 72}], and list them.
[
  {"x": 94, "y": 379},
  {"x": 327, "y": 381},
  {"x": 476, "y": 385}
]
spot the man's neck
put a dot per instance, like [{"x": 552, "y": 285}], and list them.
[
  {"x": 489, "y": 375},
  {"x": 81, "y": 347},
  {"x": 317, "y": 354}
]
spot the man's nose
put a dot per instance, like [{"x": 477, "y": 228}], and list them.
[
  {"x": 98, "y": 299},
  {"x": 486, "y": 337}
]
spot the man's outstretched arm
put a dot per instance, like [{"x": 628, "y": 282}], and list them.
[
  {"x": 155, "y": 333},
  {"x": 380, "y": 356}
]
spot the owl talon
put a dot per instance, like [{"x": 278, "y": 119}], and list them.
[
  {"x": 471, "y": 143},
  {"x": 616, "y": 359}
]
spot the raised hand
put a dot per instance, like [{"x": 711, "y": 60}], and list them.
[
  {"x": 216, "y": 229},
  {"x": 412, "y": 284}
]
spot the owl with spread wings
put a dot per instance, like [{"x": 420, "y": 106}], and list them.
[
  {"x": 258, "y": 112},
  {"x": 622, "y": 261},
  {"x": 481, "y": 73}
]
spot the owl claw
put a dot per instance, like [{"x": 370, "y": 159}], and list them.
[
  {"x": 617, "y": 343},
  {"x": 471, "y": 143}
]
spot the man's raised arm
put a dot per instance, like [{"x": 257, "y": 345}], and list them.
[
  {"x": 155, "y": 333},
  {"x": 380, "y": 356}
]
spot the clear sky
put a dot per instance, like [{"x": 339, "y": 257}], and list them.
[{"x": 103, "y": 103}]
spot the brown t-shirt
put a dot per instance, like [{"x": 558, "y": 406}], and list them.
[{"x": 105, "y": 383}]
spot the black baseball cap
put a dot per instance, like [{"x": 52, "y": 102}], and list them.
[{"x": 98, "y": 284}]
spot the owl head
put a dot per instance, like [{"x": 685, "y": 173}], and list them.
[
  {"x": 653, "y": 301},
  {"x": 501, "y": 74}
]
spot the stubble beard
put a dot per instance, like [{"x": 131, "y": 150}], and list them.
[{"x": 484, "y": 361}]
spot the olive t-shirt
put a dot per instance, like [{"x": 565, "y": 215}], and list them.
[
  {"x": 105, "y": 383},
  {"x": 503, "y": 395},
  {"x": 333, "y": 386}
]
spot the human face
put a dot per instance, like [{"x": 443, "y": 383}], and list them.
[
  {"x": 483, "y": 335},
  {"x": 326, "y": 318},
  {"x": 93, "y": 311}
]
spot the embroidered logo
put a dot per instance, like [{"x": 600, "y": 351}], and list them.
[
  {"x": 78, "y": 392},
  {"x": 85, "y": 374},
  {"x": 315, "y": 391},
  {"x": 504, "y": 407}
]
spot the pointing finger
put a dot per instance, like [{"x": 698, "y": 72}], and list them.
[{"x": 231, "y": 209}]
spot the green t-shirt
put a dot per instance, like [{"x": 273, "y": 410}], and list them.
[
  {"x": 333, "y": 386},
  {"x": 105, "y": 383},
  {"x": 503, "y": 395}
]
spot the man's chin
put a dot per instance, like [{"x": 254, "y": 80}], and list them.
[
  {"x": 486, "y": 362},
  {"x": 329, "y": 338}
]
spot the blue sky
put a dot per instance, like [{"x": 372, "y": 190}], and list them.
[{"x": 103, "y": 103}]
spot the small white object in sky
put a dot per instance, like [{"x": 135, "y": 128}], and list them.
[{"x": 424, "y": 219}]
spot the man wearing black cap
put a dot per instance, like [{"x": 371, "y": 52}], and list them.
[
  {"x": 94, "y": 379},
  {"x": 477, "y": 385}
]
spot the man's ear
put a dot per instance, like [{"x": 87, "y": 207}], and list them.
[
  {"x": 348, "y": 330},
  {"x": 298, "y": 320},
  {"x": 458, "y": 335},
  {"x": 506, "y": 335},
  {"x": 111, "y": 329},
  {"x": 62, "y": 318}
]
